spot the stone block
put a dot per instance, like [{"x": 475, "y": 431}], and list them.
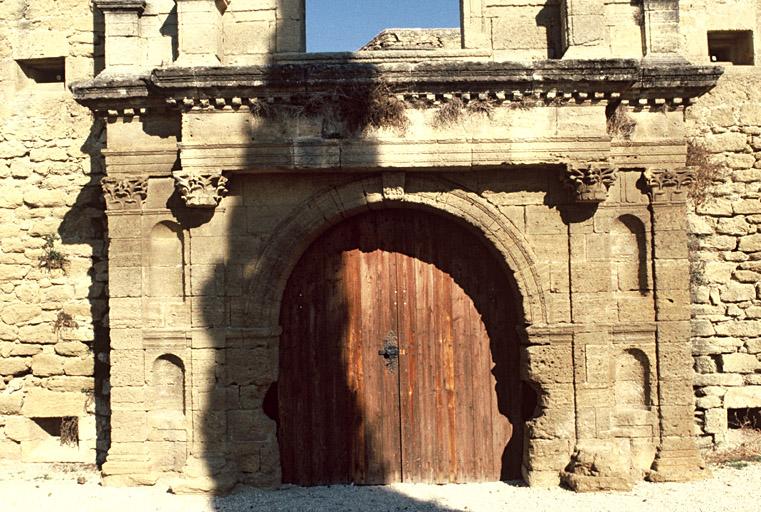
[
  {"x": 677, "y": 420},
  {"x": 42, "y": 403},
  {"x": 738, "y": 292},
  {"x": 14, "y": 365},
  {"x": 729, "y": 141},
  {"x": 547, "y": 364},
  {"x": 83, "y": 366},
  {"x": 750, "y": 243},
  {"x": 705, "y": 364},
  {"x": 71, "y": 348},
  {"x": 715, "y": 421},
  {"x": 20, "y": 314},
  {"x": 127, "y": 368},
  {"x": 10, "y": 403},
  {"x": 126, "y": 339},
  {"x": 717, "y": 379},
  {"x": 547, "y": 454},
  {"x": 743, "y": 397},
  {"x": 745, "y": 328},
  {"x": 672, "y": 305},
  {"x": 125, "y": 282},
  {"x": 671, "y": 245},
  {"x": 64, "y": 383},
  {"x": 45, "y": 365},
  {"x": 708, "y": 402},
  {"x": 739, "y": 363}
]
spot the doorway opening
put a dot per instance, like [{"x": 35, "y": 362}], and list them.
[{"x": 399, "y": 359}]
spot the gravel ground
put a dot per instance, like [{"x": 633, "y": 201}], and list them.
[{"x": 57, "y": 490}]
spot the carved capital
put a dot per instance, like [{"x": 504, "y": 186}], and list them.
[
  {"x": 124, "y": 193},
  {"x": 669, "y": 185},
  {"x": 201, "y": 189},
  {"x": 589, "y": 183}
]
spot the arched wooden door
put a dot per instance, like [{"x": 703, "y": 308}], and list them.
[{"x": 398, "y": 360}]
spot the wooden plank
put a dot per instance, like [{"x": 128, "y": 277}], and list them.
[{"x": 436, "y": 418}]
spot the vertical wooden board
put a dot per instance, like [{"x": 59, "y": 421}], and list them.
[
  {"x": 436, "y": 419},
  {"x": 381, "y": 384},
  {"x": 353, "y": 428},
  {"x": 449, "y": 464},
  {"x": 408, "y": 366},
  {"x": 463, "y": 347}
]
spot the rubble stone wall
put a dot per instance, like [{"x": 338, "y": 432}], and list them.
[
  {"x": 726, "y": 254},
  {"x": 53, "y": 271}
]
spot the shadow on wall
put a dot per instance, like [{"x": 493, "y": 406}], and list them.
[
  {"x": 327, "y": 417},
  {"x": 85, "y": 224},
  {"x": 236, "y": 404}
]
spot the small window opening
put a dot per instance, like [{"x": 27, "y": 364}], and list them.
[
  {"x": 735, "y": 46},
  {"x": 44, "y": 71},
  {"x": 348, "y": 25},
  {"x": 747, "y": 418},
  {"x": 66, "y": 429}
]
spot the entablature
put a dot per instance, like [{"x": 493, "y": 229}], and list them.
[{"x": 640, "y": 83}]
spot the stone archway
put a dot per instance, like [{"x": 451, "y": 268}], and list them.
[{"x": 267, "y": 278}]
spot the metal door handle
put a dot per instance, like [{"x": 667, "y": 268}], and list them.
[{"x": 390, "y": 350}]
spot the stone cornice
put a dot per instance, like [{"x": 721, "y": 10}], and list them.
[{"x": 639, "y": 82}]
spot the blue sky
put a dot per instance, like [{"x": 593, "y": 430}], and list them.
[{"x": 345, "y": 25}]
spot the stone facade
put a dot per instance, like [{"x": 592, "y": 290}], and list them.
[
  {"x": 53, "y": 266},
  {"x": 557, "y": 132},
  {"x": 725, "y": 249}
]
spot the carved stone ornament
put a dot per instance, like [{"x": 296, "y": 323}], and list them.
[
  {"x": 589, "y": 183},
  {"x": 201, "y": 189},
  {"x": 669, "y": 185},
  {"x": 125, "y": 193},
  {"x": 393, "y": 185}
]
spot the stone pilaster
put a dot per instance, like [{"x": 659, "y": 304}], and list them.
[
  {"x": 550, "y": 436},
  {"x": 123, "y": 42},
  {"x": 661, "y": 27},
  {"x": 199, "y": 27},
  {"x": 677, "y": 458},
  {"x": 585, "y": 33},
  {"x": 596, "y": 464},
  {"x": 128, "y": 461}
]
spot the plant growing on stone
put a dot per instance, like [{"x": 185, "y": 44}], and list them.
[
  {"x": 706, "y": 170},
  {"x": 449, "y": 113},
  {"x": 52, "y": 258},
  {"x": 748, "y": 450},
  {"x": 480, "y": 107},
  {"x": 371, "y": 106},
  {"x": 619, "y": 121},
  {"x": 526, "y": 103},
  {"x": 64, "y": 321},
  {"x": 69, "y": 431}
]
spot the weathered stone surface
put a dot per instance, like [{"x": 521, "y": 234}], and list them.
[
  {"x": 10, "y": 403},
  {"x": 213, "y": 319},
  {"x": 718, "y": 379},
  {"x": 750, "y": 243},
  {"x": 744, "y": 397},
  {"x": 739, "y": 363},
  {"x": 42, "y": 403},
  {"x": 45, "y": 365},
  {"x": 737, "y": 292},
  {"x": 14, "y": 365},
  {"x": 20, "y": 314}
]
